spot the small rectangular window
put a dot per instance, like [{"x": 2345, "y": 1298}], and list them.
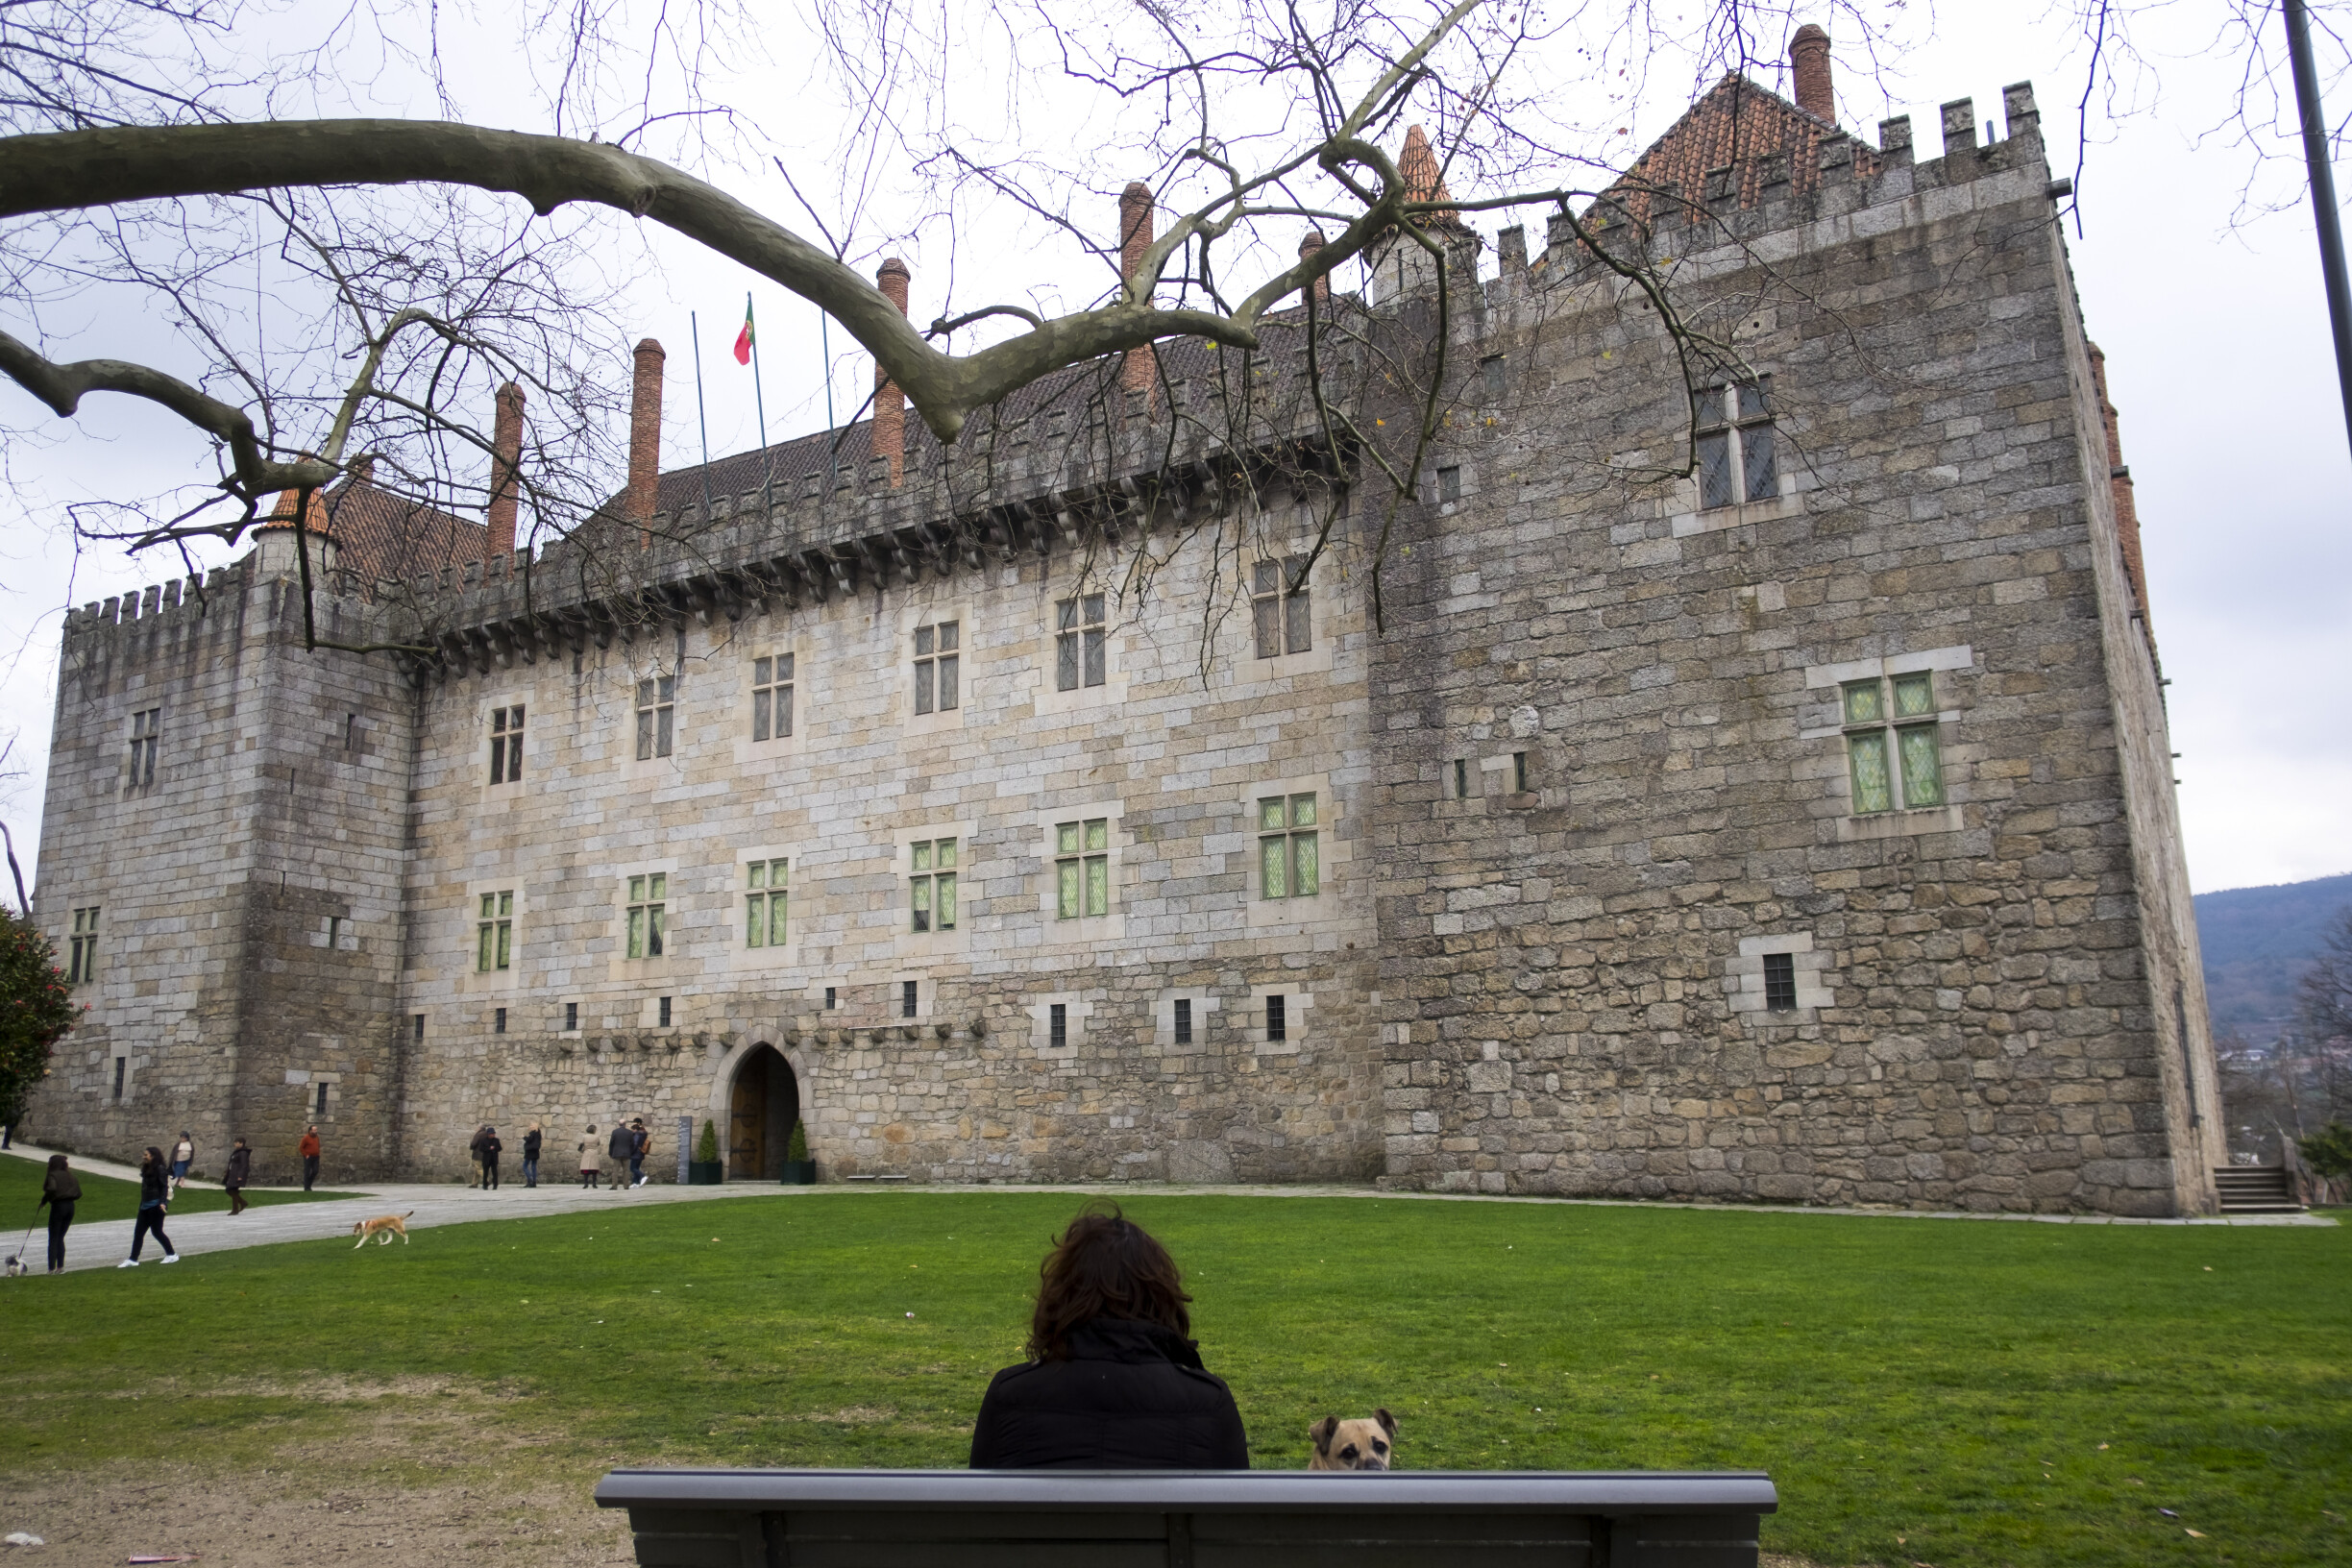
[
  {"x": 1731, "y": 428},
  {"x": 1519, "y": 772},
  {"x": 321, "y": 1105},
  {"x": 772, "y": 697},
  {"x": 1462, "y": 778},
  {"x": 1884, "y": 752},
  {"x": 1491, "y": 371},
  {"x": 656, "y": 717},
  {"x": 121, "y": 1064},
  {"x": 571, "y": 1017},
  {"x": 1057, "y": 1025},
  {"x": 1278, "y": 1017},
  {"x": 1779, "y": 982},
  {"x": 497, "y": 1025},
  {"x": 493, "y": 933},
  {"x": 937, "y": 687},
  {"x": 931, "y": 892},
  {"x": 649, "y": 904},
  {"x": 1865, "y": 759},
  {"x": 82, "y": 953},
  {"x": 1082, "y": 868},
  {"x": 1079, "y": 639},
  {"x": 664, "y": 1011},
  {"x": 416, "y": 1026},
  {"x": 1289, "y": 865},
  {"x": 831, "y": 999},
  {"x": 507, "y": 745},
  {"x": 146, "y": 727},
  {"x": 1183, "y": 1020},
  {"x": 767, "y": 899},
  {"x": 1279, "y": 613},
  {"x": 334, "y": 932},
  {"x": 1449, "y": 484},
  {"x": 908, "y": 994}
]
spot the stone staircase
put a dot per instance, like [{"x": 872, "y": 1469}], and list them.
[{"x": 2256, "y": 1190}]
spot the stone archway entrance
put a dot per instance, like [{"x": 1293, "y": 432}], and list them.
[{"x": 762, "y": 1107}]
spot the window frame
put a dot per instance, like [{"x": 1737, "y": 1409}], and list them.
[
  {"x": 1082, "y": 631},
  {"x": 1779, "y": 982},
  {"x": 767, "y": 895},
  {"x": 506, "y": 722},
  {"x": 1282, "y": 611},
  {"x": 645, "y": 921},
  {"x": 1737, "y": 421},
  {"x": 1291, "y": 833},
  {"x": 938, "y": 667},
  {"x": 493, "y": 932},
  {"x": 146, "y": 728},
  {"x": 928, "y": 875},
  {"x": 82, "y": 946},
  {"x": 1082, "y": 868},
  {"x": 1874, "y": 733},
  {"x": 772, "y": 699},
  {"x": 656, "y": 717}
]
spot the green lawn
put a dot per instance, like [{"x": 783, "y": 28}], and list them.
[
  {"x": 1921, "y": 1392},
  {"x": 105, "y": 1197}
]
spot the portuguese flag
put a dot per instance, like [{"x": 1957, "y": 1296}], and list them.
[{"x": 743, "y": 339}]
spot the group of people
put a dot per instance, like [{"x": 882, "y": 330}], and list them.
[
  {"x": 625, "y": 1147},
  {"x": 161, "y": 1178}
]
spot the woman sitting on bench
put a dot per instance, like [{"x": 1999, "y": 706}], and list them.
[{"x": 1114, "y": 1380}]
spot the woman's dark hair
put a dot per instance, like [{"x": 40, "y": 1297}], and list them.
[
  {"x": 1104, "y": 1265},
  {"x": 57, "y": 1161},
  {"x": 153, "y": 1157}
]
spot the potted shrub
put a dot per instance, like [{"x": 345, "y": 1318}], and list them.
[
  {"x": 799, "y": 1170},
  {"x": 704, "y": 1169}
]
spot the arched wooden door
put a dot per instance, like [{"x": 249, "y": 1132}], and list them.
[{"x": 762, "y": 1107}]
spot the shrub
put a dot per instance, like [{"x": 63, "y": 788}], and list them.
[
  {"x": 2328, "y": 1151},
  {"x": 36, "y": 1009},
  {"x": 706, "y": 1148},
  {"x": 796, "y": 1146}
]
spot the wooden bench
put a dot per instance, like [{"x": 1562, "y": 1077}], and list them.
[{"x": 1189, "y": 1518}]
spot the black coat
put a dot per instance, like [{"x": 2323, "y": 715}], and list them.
[
  {"x": 154, "y": 1185},
  {"x": 622, "y": 1144},
  {"x": 240, "y": 1169},
  {"x": 1133, "y": 1396},
  {"x": 531, "y": 1145}
]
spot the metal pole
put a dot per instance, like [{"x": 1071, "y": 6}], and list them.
[
  {"x": 696, "y": 328},
  {"x": 759, "y": 400},
  {"x": 825, "y": 347},
  {"x": 2323, "y": 199}
]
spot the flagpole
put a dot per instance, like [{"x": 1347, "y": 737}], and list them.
[
  {"x": 702, "y": 418},
  {"x": 825, "y": 347},
  {"x": 759, "y": 400}
]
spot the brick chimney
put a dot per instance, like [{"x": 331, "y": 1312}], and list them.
[
  {"x": 2119, "y": 486},
  {"x": 1141, "y": 367},
  {"x": 1809, "y": 67},
  {"x": 505, "y": 461},
  {"x": 645, "y": 433},
  {"x": 1308, "y": 247},
  {"x": 890, "y": 403}
]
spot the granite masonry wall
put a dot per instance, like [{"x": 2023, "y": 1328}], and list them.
[{"x": 1579, "y": 791}]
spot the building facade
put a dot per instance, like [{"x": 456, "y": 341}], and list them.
[{"x": 1740, "y": 775}]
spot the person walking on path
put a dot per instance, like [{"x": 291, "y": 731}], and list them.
[
  {"x": 238, "y": 1173},
  {"x": 620, "y": 1146},
  {"x": 183, "y": 1155},
  {"x": 310, "y": 1149},
  {"x": 490, "y": 1146},
  {"x": 641, "y": 1144},
  {"x": 533, "y": 1140},
  {"x": 155, "y": 1198},
  {"x": 61, "y": 1190},
  {"x": 590, "y": 1151}
]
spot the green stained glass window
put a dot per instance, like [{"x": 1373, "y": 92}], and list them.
[
  {"x": 1913, "y": 695},
  {"x": 1306, "y": 873},
  {"x": 1082, "y": 871},
  {"x": 493, "y": 933},
  {"x": 1923, "y": 765},
  {"x": 764, "y": 905},
  {"x": 646, "y": 909},
  {"x": 1097, "y": 885},
  {"x": 1865, "y": 703},
  {"x": 1273, "y": 814},
  {"x": 947, "y": 901},
  {"x": 1867, "y": 756},
  {"x": 1274, "y": 867},
  {"x": 931, "y": 889},
  {"x": 1068, "y": 892},
  {"x": 1289, "y": 864}
]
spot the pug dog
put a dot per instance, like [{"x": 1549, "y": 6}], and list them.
[{"x": 1361, "y": 1444}]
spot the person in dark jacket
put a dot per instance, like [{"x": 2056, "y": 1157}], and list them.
[
  {"x": 234, "y": 1178},
  {"x": 1114, "y": 1380},
  {"x": 617, "y": 1148},
  {"x": 532, "y": 1140},
  {"x": 61, "y": 1190},
  {"x": 486, "y": 1148},
  {"x": 154, "y": 1195}
]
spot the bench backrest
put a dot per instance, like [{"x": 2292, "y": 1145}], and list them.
[{"x": 1189, "y": 1518}]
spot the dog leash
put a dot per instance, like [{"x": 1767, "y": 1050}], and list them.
[{"x": 18, "y": 1257}]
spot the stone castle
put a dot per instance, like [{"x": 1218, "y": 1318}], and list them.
[{"x": 1737, "y": 777}]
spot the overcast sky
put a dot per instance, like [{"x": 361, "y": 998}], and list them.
[{"x": 2217, "y": 352}]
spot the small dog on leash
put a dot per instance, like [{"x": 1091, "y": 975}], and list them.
[
  {"x": 383, "y": 1228},
  {"x": 17, "y": 1265},
  {"x": 1361, "y": 1444}
]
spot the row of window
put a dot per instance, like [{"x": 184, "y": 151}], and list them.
[
  {"x": 1289, "y": 866},
  {"x": 1278, "y": 608}
]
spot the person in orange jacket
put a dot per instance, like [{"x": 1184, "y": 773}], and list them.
[{"x": 309, "y": 1150}]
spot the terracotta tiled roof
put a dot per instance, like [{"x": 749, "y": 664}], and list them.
[
  {"x": 1735, "y": 126},
  {"x": 380, "y": 535},
  {"x": 1424, "y": 181}
]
